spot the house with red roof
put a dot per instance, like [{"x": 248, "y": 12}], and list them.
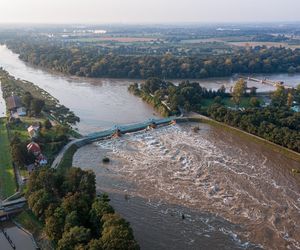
[{"x": 34, "y": 148}]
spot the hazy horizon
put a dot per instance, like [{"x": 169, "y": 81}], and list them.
[{"x": 148, "y": 12}]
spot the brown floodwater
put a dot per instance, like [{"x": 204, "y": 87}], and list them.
[{"x": 211, "y": 189}]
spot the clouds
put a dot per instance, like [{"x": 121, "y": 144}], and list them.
[{"x": 148, "y": 11}]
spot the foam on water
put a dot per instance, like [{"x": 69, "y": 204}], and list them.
[{"x": 212, "y": 174}]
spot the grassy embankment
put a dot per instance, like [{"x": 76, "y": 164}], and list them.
[
  {"x": 7, "y": 177},
  {"x": 67, "y": 159}
]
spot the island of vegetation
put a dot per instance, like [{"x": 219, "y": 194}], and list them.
[{"x": 274, "y": 117}]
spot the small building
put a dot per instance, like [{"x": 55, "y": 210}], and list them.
[
  {"x": 13, "y": 103},
  {"x": 33, "y": 130},
  {"x": 34, "y": 148},
  {"x": 41, "y": 160},
  {"x": 21, "y": 111}
]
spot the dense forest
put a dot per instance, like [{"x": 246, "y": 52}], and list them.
[
  {"x": 277, "y": 122},
  {"x": 74, "y": 217},
  {"x": 91, "y": 61}
]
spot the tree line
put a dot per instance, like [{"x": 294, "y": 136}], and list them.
[
  {"x": 91, "y": 61},
  {"x": 276, "y": 124}
]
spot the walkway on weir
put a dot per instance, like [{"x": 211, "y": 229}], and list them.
[
  {"x": 123, "y": 129},
  {"x": 267, "y": 82},
  {"x": 128, "y": 128}
]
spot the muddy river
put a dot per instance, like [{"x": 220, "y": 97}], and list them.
[{"x": 210, "y": 189}]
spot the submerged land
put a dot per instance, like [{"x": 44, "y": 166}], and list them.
[{"x": 202, "y": 172}]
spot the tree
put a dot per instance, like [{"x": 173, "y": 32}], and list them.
[
  {"x": 222, "y": 91},
  {"x": 292, "y": 70},
  {"x": 279, "y": 96},
  {"x": 73, "y": 238},
  {"x": 290, "y": 99},
  {"x": 239, "y": 90},
  {"x": 254, "y": 102},
  {"x": 117, "y": 234},
  {"x": 19, "y": 153},
  {"x": 26, "y": 99},
  {"x": 37, "y": 105},
  {"x": 253, "y": 91},
  {"x": 47, "y": 124},
  {"x": 95, "y": 245},
  {"x": 72, "y": 220},
  {"x": 39, "y": 201},
  {"x": 218, "y": 100},
  {"x": 55, "y": 224},
  {"x": 100, "y": 207}
]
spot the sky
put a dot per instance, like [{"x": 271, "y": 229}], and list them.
[{"x": 148, "y": 11}]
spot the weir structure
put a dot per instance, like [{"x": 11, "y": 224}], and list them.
[{"x": 117, "y": 130}]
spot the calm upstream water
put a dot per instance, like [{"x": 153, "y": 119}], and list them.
[
  {"x": 100, "y": 103},
  {"x": 179, "y": 189}
]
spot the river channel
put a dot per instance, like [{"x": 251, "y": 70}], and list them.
[{"x": 179, "y": 189}]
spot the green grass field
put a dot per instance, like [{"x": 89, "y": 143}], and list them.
[{"x": 7, "y": 178}]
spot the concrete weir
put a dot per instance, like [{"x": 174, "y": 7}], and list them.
[
  {"x": 130, "y": 128},
  {"x": 115, "y": 131}
]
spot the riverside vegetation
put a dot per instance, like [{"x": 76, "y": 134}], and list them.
[
  {"x": 62, "y": 203},
  {"x": 92, "y": 61},
  {"x": 276, "y": 122},
  {"x": 74, "y": 217}
]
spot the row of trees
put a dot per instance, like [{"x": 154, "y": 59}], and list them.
[
  {"x": 279, "y": 125},
  {"x": 74, "y": 217},
  {"x": 187, "y": 95},
  {"x": 91, "y": 61},
  {"x": 276, "y": 123}
]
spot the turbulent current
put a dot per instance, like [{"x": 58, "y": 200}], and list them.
[{"x": 210, "y": 189}]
